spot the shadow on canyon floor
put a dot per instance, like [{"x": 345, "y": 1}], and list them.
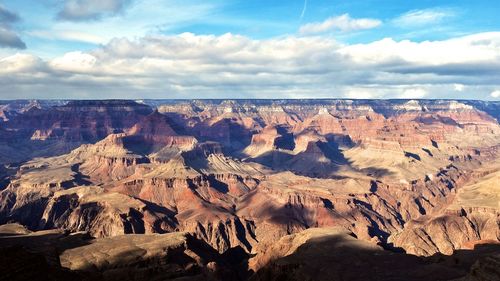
[
  {"x": 36, "y": 257},
  {"x": 309, "y": 163},
  {"x": 333, "y": 258}
]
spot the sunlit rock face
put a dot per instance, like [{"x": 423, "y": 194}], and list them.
[{"x": 255, "y": 176}]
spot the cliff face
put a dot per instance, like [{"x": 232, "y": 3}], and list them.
[
  {"x": 42, "y": 128},
  {"x": 421, "y": 176},
  {"x": 472, "y": 217}
]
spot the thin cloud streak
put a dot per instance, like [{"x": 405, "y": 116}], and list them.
[
  {"x": 304, "y": 9},
  {"x": 423, "y": 17},
  {"x": 68, "y": 35}
]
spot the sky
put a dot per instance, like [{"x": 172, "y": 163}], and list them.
[{"x": 140, "y": 49}]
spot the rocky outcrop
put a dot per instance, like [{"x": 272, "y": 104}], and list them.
[
  {"x": 139, "y": 257},
  {"x": 446, "y": 233},
  {"x": 103, "y": 214},
  {"x": 265, "y": 141}
]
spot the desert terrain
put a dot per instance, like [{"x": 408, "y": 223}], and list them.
[{"x": 250, "y": 190}]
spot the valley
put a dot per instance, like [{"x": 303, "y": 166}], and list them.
[{"x": 252, "y": 189}]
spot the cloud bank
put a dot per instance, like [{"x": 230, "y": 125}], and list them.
[{"x": 233, "y": 66}]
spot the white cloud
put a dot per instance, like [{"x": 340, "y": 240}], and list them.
[
  {"x": 360, "y": 93},
  {"x": 416, "y": 93},
  {"x": 194, "y": 66},
  {"x": 482, "y": 47},
  {"x": 422, "y": 17},
  {"x": 342, "y": 23},
  {"x": 495, "y": 94},
  {"x": 20, "y": 64},
  {"x": 459, "y": 87},
  {"x": 74, "y": 62}
]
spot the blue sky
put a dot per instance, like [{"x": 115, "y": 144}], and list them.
[
  {"x": 256, "y": 19},
  {"x": 73, "y": 48}
]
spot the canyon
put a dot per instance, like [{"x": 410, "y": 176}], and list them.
[{"x": 251, "y": 189}]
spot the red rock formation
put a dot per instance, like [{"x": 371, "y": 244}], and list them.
[{"x": 246, "y": 173}]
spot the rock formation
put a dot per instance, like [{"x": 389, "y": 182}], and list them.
[{"x": 415, "y": 176}]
